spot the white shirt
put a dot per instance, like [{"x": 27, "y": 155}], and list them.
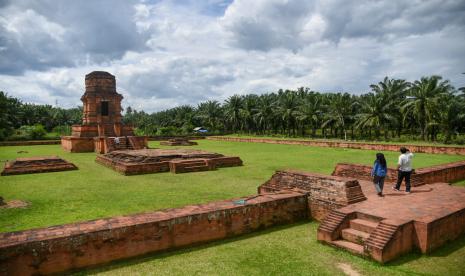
[{"x": 405, "y": 162}]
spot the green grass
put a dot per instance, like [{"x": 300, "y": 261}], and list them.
[
  {"x": 287, "y": 250},
  {"x": 94, "y": 191},
  {"x": 282, "y": 137}
]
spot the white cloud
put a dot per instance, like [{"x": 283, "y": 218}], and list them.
[{"x": 165, "y": 54}]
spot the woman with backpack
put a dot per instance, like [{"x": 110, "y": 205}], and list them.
[{"x": 379, "y": 173}]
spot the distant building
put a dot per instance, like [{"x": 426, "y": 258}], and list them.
[{"x": 200, "y": 130}]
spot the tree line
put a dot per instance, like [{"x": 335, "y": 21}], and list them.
[
  {"x": 394, "y": 109},
  {"x": 427, "y": 109},
  {"x": 20, "y": 120}
]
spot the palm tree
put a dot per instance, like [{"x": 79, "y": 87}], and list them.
[
  {"x": 376, "y": 113},
  {"x": 232, "y": 109},
  {"x": 210, "y": 113},
  {"x": 389, "y": 92},
  {"x": 287, "y": 110},
  {"x": 308, "y": 112},
  {"x": 247, "y": 112},
  {"x": 264, "y": 112},
  {"x": 449, "y": 116},
  {"x": 424, "y": 102},
  {"x": 339, "y": 112}
]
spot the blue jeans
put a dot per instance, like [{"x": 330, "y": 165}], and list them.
[{"x": 379, "y": 183}]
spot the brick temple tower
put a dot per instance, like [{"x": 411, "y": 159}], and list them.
[{"x": 101, "y": 119}]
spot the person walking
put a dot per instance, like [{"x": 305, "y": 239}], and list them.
[
  {"x": 379, "y": 173},
  {"x": 404, "y": 167}
]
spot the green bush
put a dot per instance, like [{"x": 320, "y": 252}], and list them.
[
  {"x": 35, "y": 132},
  {"x": 62, "y": 130},
  {"x": 167, "y": 131}
]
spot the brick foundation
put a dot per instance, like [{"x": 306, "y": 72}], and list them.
[
  {"x": 77, "y": 144},
  {"x": 351, "y": 145},
  {"x": 67, "y": 247},
  {"x": 163, "y": 160},
  {"x": 37, "y": 165},
  {"x": 326, "y": 193}
]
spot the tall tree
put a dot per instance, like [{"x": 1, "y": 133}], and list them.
[
  {"x": 423, "y": 101},
  {"x": 232, "y": 111}
]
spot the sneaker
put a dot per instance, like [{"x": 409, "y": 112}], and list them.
[
  {"x": 407, "y": 192},
  {"x": 394, "y": 189}
]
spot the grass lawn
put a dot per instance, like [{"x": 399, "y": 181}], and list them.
[
  {"x": 281, "y": 137},
  {"x": 94, "y": 191}
]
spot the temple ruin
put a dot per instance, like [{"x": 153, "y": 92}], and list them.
[
  {"x": 102, "y": 129},
  {"x": 164, "y": 160},
  {"x": 42, "y": 164}
]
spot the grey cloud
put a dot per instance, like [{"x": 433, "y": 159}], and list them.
[
  {"x": 190, "y": 80},
  {"x": 272, "y": 24},
  {"x": 90, "y": 32},
  {"x": 282, "y": 24},
  {"x": 385, "y": 18}
]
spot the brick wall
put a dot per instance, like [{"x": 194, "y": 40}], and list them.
[
  {"x": 351, "y": 145},
  {"x": 73, "y": 246},
  {"x": 30, "y": 143},
  {"x": 326, "y": 192},
  {"x": 449, "y": 172}
]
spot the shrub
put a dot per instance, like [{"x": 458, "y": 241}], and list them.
[
  {"x": 167, "y": 131},
  {"x": 62, "y": 130},
  {"x": 35, "y": 132}
]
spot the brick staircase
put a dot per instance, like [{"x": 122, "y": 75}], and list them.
[
  {"x": 124, "y": 144},
  {"x": 191, "y": 165},
  {"x": 381, "y": 236},
  {"x": 332, "y": 221},
  {"x": 357, "y": 235}
]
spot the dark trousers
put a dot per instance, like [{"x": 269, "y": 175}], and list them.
[
  {"x": 379, "y": 183},
  {"x": 400, "y": 176}
]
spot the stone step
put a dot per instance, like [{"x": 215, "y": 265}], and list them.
[
  {"x": 363, "y": 225},
  {"x": 349, "y": 246},
  {"x": 355, "y": 236},
  {"x": 195, "y": 168}
]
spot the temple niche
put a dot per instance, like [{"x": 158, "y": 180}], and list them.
[{"x": 102, "y": 129}]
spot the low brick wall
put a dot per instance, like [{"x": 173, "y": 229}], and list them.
[
  {"x": 351, "y": 145},
  {"x": 68, "y": 247},
  {"x": 326, "y": 192},
  {"x": 30, "y": 143},
  {"x": 450, "y": 172},
  {"x": 165, "y": 138},
  {"x": 133, "y": 169},
  {"x": 447, "y": 173}
]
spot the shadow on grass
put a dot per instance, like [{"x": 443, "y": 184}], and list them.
[
  {"x": 179, "y": 251},
  {"x": 443, "y": 251}
]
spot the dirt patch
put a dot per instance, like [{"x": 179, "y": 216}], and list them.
[
  {"x": 14, "y": 204},
  {"x": 347, "y": 269}
]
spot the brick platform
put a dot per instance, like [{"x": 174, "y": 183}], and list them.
[
  {"x": 385, "y": 228},
  {"x": 67, "y": 247},
  {"x": 325, "y": 193},
  {"x": 450, "y": 172},
  {"x": 178, "y": 142},
  {"x": 350, "y": 145},
  {"x": 162, "y": 160},
  {"x": 37, "y": 165}
]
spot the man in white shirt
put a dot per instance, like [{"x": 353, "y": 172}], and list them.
[{"x": 404, "y": 167}]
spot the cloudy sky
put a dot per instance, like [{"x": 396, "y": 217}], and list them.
[{"x": 169, "y": 53}]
